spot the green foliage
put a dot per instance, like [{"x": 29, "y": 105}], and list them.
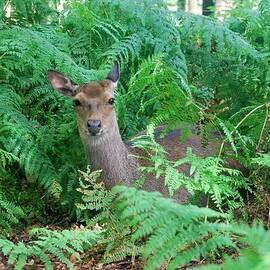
[
  {"x": 10, "y": 213},
  {"x": 94, "y": 196},
  {"x": 175, "y": 68},
  {"x": 96, "y": 207},
  {"x": 263, "y": 160},
  {"x": 18, "y": 135},
  {"x": 163, "y": 232},
  {"x": 145, "y": 224},
  {"x": 207, "y": 176},
  {"x": 6, "y": 157},
  {"x": 44, "y": 242},
  {"x": 154, "y": 96},
  {"x": 33, "y": 116},
  {"x": 131, "y": 37},
  {"x": 254, "y": 256},
  {"x": 154, "y": 47},
  {"x": 223, "y": 62},
  {"x": 172, "y": 234},
  {"x": 29, "y": 12}
]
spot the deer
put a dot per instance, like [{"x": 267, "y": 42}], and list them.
[{"x": 100, "y": 135}]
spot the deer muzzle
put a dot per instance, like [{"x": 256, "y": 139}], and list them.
[{"x": 94, "y": 126}]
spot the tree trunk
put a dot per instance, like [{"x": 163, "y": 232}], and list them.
[
  {"x": 192, "y": 6},
  {"x": 205, "y": 7},
  {"x": 222, "y": 6}
]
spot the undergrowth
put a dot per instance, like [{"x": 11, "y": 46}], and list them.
[
  {"x": 44, "y": 244},
  {"x": 175, "y": 68}
]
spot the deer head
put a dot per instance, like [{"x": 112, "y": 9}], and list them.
[{"x": 93, "y": 102}]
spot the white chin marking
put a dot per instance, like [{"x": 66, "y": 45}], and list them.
[
  {"x": 97, "y": 134},
  {"x": 115, "y": 84}
]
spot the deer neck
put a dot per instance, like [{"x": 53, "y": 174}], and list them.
[{"x": 109, "y": 153}]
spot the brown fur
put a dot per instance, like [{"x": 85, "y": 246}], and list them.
[
  {"x": 94, "y": 104},
  {"x": 107, "y": 151}
]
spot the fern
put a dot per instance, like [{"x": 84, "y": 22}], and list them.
[
  {"x": 6, "y": 157},
  {"x": 147, "y": 225},
  {"x": 160, "y": 98},
  {"x": 132, "y": 43},
  {"x": 94, "y": 197},
  {"x": 26, "y": 133},
  {"x": 263, "y": 160},
  {"x": 254, "y": 254},
  {"x": 10, "y": 213},
  {"x": 207, "y": 175},
  {"x": 56, "y": 243},
  {"x": 124, "y": 49},
  {"x": 175, "y": 68},
  {"x": 174, "y": 234},
  {"x": 30, "y": 12},
  {"x": 214, "y": 36},
  {"x": 17, "y": 135}
]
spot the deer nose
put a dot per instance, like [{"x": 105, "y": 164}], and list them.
[{"x": 94, "y": 126}]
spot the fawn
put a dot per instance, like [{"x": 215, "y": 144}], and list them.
[{"x": 99, "y": 132}]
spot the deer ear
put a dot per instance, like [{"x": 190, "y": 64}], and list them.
[
  {"x": 114, "y": 74},
  {"x": 62, "y": 84}
]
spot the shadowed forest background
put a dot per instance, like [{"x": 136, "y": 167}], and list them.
[{"x": 183, "y": 64}]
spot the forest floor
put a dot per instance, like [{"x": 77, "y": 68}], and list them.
[
  {"x": 92, "y": 260},
  {"x": 88, "y": 261},
  {"x": 85, "y": 264}
]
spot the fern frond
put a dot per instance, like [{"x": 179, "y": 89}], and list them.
[
  {"x": 174, "y": 234},
  {"x": 57, "y": 243},
  {"x": 10, "y": 213}
]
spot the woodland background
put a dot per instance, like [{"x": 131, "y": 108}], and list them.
[{"x": 176, "y": 67}]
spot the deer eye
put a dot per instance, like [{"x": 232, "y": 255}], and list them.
[
  {"x": 111, "y": 101},
  {"x": 76, "y": 103}
]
